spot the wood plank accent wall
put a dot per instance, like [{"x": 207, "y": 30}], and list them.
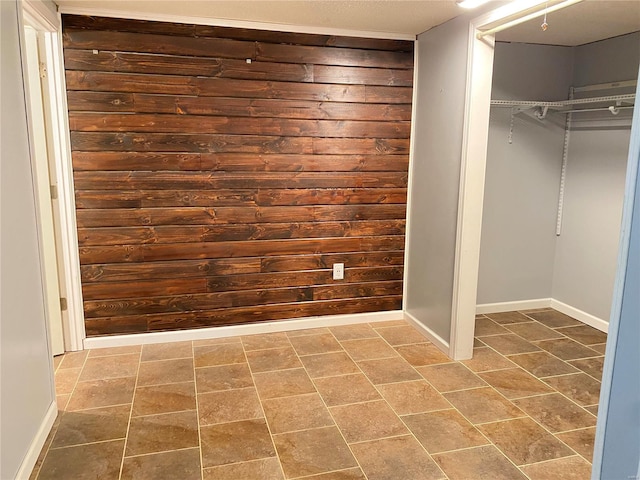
[{"x": 211, "y": 190}]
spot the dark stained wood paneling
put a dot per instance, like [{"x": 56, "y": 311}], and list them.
[{"x": 215, "y": 191}]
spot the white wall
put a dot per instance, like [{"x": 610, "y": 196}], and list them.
[
  {"x": 521, "y": 187},
  {"x": 26, "y": 372}
]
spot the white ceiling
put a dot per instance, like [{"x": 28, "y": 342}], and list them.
[{"x": 582, "y": 23}]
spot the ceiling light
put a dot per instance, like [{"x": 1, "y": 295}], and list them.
[{"x": 471, "y": 3}]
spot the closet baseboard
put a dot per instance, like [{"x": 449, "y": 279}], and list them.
[
  {"x": 578, "y": 314},
  {"x": 37, "y": 443},
  {"x": 235, "y": 330},
  {"x": 436, "y": 339},
  {"x": 512, "y": 306}
]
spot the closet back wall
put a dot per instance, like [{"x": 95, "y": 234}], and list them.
[{"x": 220, "y": 172}]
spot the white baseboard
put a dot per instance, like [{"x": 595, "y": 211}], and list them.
[
  {"x": 584, "y": 317},
  {"x": 436, "y": 339},
  {"x": 234, "y": 330},
  {"x": 33, "y": 453},
  {"x": 512, "y": 306}
]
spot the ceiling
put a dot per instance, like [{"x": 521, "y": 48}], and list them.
[{"x": 582, "y": 23}]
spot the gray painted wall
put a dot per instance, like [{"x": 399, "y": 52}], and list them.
[
  {"x": 521, "y": 186},
  {"x": 25, "y": 372}
]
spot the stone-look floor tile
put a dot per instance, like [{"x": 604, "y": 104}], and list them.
[
  {"x": 581, "y": 441},
  {"x": 389, "y": 323},
  {"x": 556, "y": 413},
  {"x": 283, "y": 383},
  {"x": 57, "y": 360},
  {"x": 346, "y": 389},
  {"x": 94, "y": 461},
  {"x": 420, "y": 355},
  {"x": 307, "y": 331},
  {"x": 262, "y": 469},
  {"x": 66, "y": 379},
  {"x": 204, "y": 342},
  {"x": 348, "y": 474},
  {"x": 62, "y": 401},
  {"x": 485, "y": 326},
  {"x": 218, "y": 354},
  {"x": 353, "y": 332},
  {"x": 229, "y": 406},
  {"x": 102, "y": 393},
  {"x": 484, "y": 359},
  {"x": 444, "y": 430},
  {"x": 367, "y": 421},
  {"x": 115, "y": 366},
  {"x": 311, "y": 452},
  {"x": 584, "y": 334},
  {"x": 571, "y": 468},
  {"x": 156, "y": 399},
  {"x": 265, "y": 340},
  {"x": 482, "y": 405},
  {"x": 590, "y": 366},
  {"x": 542, "y": 364},
  {"x": 524, "y": 441},
  {"x": 394, "y": 458},
  {"x": 480, "y": 463},
  {"x": 314, "y": 344},
  {"x": 90, "y": 426},
  {"x": 506, "y": 318},
  {"x": 368, "y": 349},
  {"x": 554, "y": 319},
  {"x": 510, "y": 344},
  {"x": 235, "y": 442},
  {"x": 301, "y": 412},
  {"x": 593, "y": 409},
  {"x": 179, "y": 464},
  {"x": 104, "y": 352},
  {"x": 478, "y": 343},
  {"x": 515, "y": 383},
  {"x": 413, "y": 397},
  {"x": 329, "y": 364},
  {"x": 579, "y": 387},
  {"x": 388, "y": 370},
  {"x": 401, "y": 335},
  {"x": 165, "y": 371},
  {"x": 73, "y": 359},
  {"x": 450, "y": 376},
  {"x": 567, "y": 349},
  {"x": 600, "y": 348},
  {"x": 159, "y": 433},
  {"x": 223, "y": 377},
  {"x": 533, "y": 331},
  {"x": 273, "y": 359},
  {"x": 166, "y": 351}
]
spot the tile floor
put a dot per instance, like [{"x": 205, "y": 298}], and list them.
[{"x": 369, "y": 401}]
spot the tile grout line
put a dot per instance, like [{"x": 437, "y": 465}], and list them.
[
  {"x": 133, "y": 395},
  {"x": 195, "y": 387}
]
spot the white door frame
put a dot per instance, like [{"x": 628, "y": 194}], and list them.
[{"x": 49, "y": 26}]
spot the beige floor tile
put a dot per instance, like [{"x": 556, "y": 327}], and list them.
[
  {"x": 103, "y": 352},
  {"x": 229, "y": 406},
  {"x": 219, "y": 354},
  {"x": 482, "y": 405},
  {"x": 581, "y": 441},
  {"x": 478, "y": 343},
  {"x": 484, "y": 358},
  {"x": 283, "y": 383},
  {"x": 346, "y": 389},
  {"x": 62, "y": 401},
  {"x": 450, "y": 376},
  {"x": 307, "y": 331},
  {"x": 413, "y": 397},
  {"x": 329, "y": 364},
  {"x": 159, "y": 433},
  {"x": 165, "y": 371},
  {"x": 90, "y": 426},
  {"x": 506, "y": 318},
  {"x": 179, "y": 464},
  {"x": 533, "y": 331},
  {"x": 368, "y": 349},
  {"x": 84, "y": 462},
  {"x": 263, "y": 469},
  {"x": 204, "y": 342},
  {"x": 314, "y": 344},
  {"x": 389, "y": 323},
  {"x": 571, "y": 468},
  {"x": 554, "y": 319},
  {"x": 590, "y": 366},
  {"x": 567, "y": 349},
  {"x": 223, "y": 377},
  {"x": 556, "y": 413},
  {"x": 401, "y": 335},
  {"x": 302, "y": 412},
  {"x": 367, "y": 421},
  {"x": 311, "y": 452},
  {"x": 353, "y": 332},
  {"x": 348, "y": 474},
  {"x": 485, "y": 326},
  {"x": 156, "y": 399},
  {"x": 443, "y": 431},
  {"x": 396, "y": 458},
  {"x": 166, "y": 351},
  {"x": 480, "y": 463},
  {"x": 273, "y": 359},
  {"x": 235, "y": 442},
  {"x": 423, "y": 354},
  {"x": 509, "y": 344},
  {"x": 593, "y": 409},
  {"x": 115, "y": 366},
  {"x": 73, "y": 359},
  {"x": 600, "y": 348},
  {"x": 542, "y": 364},
  {"x": 515, "y": 383},
  {"x": 265, "y": 340},
  {"x": 65, "y": 380},
  {"x": 524, "y": 441},
  {"x": 102, "y": 393},
  {"x": 388, "y": 370},
  {"x": 579, "y": 387}
]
